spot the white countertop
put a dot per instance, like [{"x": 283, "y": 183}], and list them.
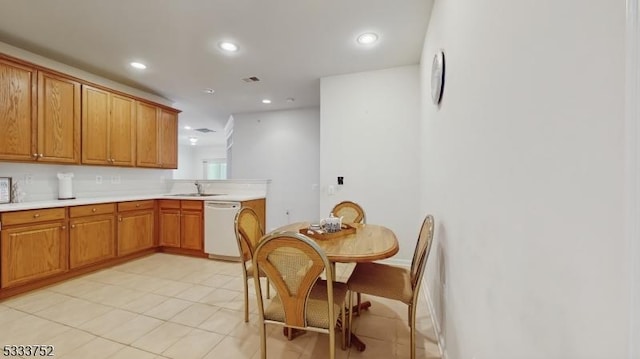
[{"x": 82, "y": 201}]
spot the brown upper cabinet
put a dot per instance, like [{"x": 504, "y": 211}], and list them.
[
  {"x": 58, "y": 119},
  {"x": 158, "y": 147},
  {"x": 47, "y": 116},
  {"x": 17, "y": 111},
  {"x": 108, "y": 128},
  {"x": 39, "y": 115}
]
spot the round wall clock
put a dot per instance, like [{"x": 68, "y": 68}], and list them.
[{"x": 437, "y": 77}]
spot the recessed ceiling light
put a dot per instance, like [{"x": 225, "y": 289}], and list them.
[
  {"x": 138, "y": 65},
  {"x": 267, "y": 101},
  {"x": 193, "y": 140},
  {"x": 209, "y": 91},
  {"x": 228, "y": 46},
  {"x": 187, "y": 127},
  {"x": 367, "y": 38}
]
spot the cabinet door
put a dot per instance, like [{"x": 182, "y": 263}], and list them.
[
  {"x": 17, "y": 112},
  {"x": 135, "y": 231},
  {"x": 147, "y": 154},
  {"x": 169, "y": 139},
  {"x": 58, "y": 119},
  {"x": 192, "y": 230},
  {"x": 95, "y": 126},
  {"x": 91, "y": 240},
  {"x": 169, "y": 227},
  {"x": 33, "y": 252},
  {"x": 258, "y": 206},
  {"x": 122, "y": 131}
]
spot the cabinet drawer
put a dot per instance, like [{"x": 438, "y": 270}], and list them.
[
  {"x": 194, "y": 205},
  {"x": 33, "y": 216},
  {"x": 169, "y": 203},
  {"x": 135, "y": 205},
  {"x": 92, "y": 209}
]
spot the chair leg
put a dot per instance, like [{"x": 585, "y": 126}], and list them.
[
  {"x": 332, "y": 343},
  {"x": 246, "y": 301},
  {"x": 350, "y": 306},
  {"x": 358, "y": 302},
  {"x": 268, "y": 289},
  {"x": 344, "y": 329},
  {"x": 263, "y": 341},
  {"x": 412, "y": 324}
]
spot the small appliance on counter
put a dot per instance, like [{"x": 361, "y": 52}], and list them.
[{"x": 65, "y": 186}]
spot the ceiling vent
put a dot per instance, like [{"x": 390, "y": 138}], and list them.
[
  {"x": 204, "y": 130},
  {"x": 251, "y": 79}
]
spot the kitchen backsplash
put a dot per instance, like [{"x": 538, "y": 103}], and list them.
[{"x": 39, "y": 182}]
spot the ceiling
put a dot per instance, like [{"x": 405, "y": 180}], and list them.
[{"x": 288, "y": 44}]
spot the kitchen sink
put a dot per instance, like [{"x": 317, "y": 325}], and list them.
[{"x": 196, "y": 194}]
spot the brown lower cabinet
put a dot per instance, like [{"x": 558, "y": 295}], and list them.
[
  {"x": 135, "y": 226},
  {"x": 181, "y": 224},
  {"x": 92, "y": 234},
  {"x": 40, "y": 247},
  {"x": 34, "y": 246}
]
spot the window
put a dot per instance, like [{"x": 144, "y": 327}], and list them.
[{"x": 215, "y": 169}]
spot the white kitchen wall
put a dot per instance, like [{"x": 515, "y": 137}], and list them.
[
  {"x": 369, "y": 135},
  {"x": 115, "y": 180},
  {"x": 522, "y": 166},
  {"x": 186, "y": 165},
  {"x": 190, "y": 160},
  {"x": 282, "y": 146}
]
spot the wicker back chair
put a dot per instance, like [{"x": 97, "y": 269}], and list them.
[
  {"x": 248, "y": 234},
  {"x": 293, "y": 264},
  {"x": 350, "y": 211},
  {"x": 397, "y": 283}
]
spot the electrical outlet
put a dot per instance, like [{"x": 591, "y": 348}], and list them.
[
  {"x": 115, "y": 179},
  {"x": 28, "y": 179},
  {"x": 98, "y": 179}
]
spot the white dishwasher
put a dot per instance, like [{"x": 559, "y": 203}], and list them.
[{"x": 219, "y": 230}]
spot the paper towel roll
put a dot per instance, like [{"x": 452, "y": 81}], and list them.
[{"x": 65, "y": 187}]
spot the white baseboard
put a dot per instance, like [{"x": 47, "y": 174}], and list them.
[{"x": 432, "y": 311}]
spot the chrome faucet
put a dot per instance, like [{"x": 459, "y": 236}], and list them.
[{"x": 199, "y": 187}]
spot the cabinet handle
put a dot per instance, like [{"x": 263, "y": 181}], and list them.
[
  {"x": 36, "y": 215},
  {"x": 40, "y": 155},
  {"x": 119, "y": 219},
  {"x": 93, "y": 209},
  {"x": 73, "y": 226},
  {"x": 63, "y": 227},
  {"x": 137, "y": 205},
  {"x": 35, "y": 155}
]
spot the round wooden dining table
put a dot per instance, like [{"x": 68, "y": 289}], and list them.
[{"x": 369, "y": 243}]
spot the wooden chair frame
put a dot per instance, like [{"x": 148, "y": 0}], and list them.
[
  {"x": 295, "y": 304},
  {"x": 418, "y": 264},
  {"x": 360, "y": 218},
  {"x": 246, "y": 246}
]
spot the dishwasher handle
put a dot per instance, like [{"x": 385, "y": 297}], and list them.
[{"x": 222, "y": 205}]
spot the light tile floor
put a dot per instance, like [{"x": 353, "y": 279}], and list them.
[{"x": 169, "y": 306}]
